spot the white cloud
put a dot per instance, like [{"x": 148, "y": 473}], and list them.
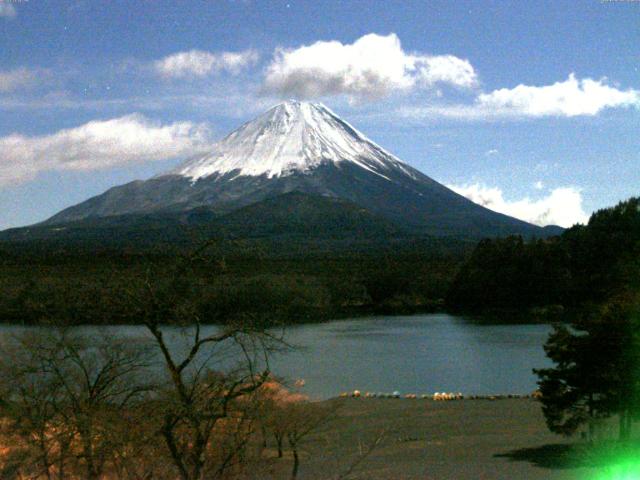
[
  {"x": 97, "y": 145},
  {"x": 16, "y": 79},
  {"x": 7, "y": 10},
  {"x": 538, "y": 185},
  {"x": 447, "y": 111},
  {"x": 198, "y": 63},
  {"x": 570, "y": 98},
  {"x": 491, "y": 152},
  {"x": 371, "y": 67},
  {"x": 567, "y": 99},
  {"x": 563, "y": 206}
]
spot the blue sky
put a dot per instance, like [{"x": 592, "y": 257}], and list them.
[{"x": 531, "y": 108}]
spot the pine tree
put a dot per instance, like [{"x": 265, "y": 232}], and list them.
[{"x": 597, "y": 369}]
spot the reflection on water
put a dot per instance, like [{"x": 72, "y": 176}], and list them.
[{"x": 415, "y": 354}]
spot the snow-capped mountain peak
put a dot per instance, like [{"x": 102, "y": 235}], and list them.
[
  {"x": 303, "y": 148},
  {"x": 290, "y": 137}
]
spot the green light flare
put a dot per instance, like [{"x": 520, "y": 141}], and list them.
[{"x": 624, "y": 468}]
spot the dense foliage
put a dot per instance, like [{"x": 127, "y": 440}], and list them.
[
  {"x": 596, "y": 372},
  {"x": 298, "y": 277},
  {"x": 587, "y": 264},
  {"x": 72, "y": 286},
  {"x": 597, "y": 369}
]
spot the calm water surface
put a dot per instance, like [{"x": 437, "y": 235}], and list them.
[{"x": 413, "y": 354}]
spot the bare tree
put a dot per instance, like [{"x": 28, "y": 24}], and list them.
[
  {"x": 203, "y": 395},
  {"x": 34, "y": 443},
  {"x": 190, "y": 404},
  {"x": 63, "y": 396},
  {"x": 290, "y": 417},
  {"x": 304, "y": 419}
]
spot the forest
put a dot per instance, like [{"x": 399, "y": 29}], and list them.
[
  {"x": 301, "y": 280},
  {"x": 224, "y": 283},
  {"x": 584, "y": 266}
]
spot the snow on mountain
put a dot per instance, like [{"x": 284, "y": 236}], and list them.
[
  {"x": 291, "y": 137},
  {"x": 304, "y": 148}
]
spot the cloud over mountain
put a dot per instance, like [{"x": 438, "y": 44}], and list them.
[
  {"x": 371, "y": 67},
  {"x": 97, "y": 145},
  {"x": 199, "y": 63},
  {"x": 563, "y": 206}
]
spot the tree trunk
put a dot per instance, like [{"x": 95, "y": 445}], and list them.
[
  {"x": 197, "y": 453},
  {"x": 264, "y": 436},
  {"x": 170, "y": 441},
  {"x": 623, "y": 432},
  {"x": 87, "y": 452},
  {"x": 279, "y": 443},
  {"x": 591, "y": 420},
  {"x": 62, "y": 458},
  {"x": 296, "y": 462}
]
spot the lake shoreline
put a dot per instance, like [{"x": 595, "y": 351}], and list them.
[
  {"x": 419, "y": 354},
  {"x": 493, "y": 318}
]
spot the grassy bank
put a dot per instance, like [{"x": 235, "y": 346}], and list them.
[{"x": 422, "y": 439}]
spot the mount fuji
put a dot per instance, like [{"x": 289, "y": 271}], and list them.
[{"x": 297, "y": 160}]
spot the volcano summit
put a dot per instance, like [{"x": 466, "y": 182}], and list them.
[{"x": 307, "y": 149}]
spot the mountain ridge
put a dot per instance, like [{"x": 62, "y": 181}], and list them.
[{"x": 303, "y": 147}]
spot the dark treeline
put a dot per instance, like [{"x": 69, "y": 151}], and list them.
[
  {"x": 300, "y": 280},
  {"x": 584, "y": 266},
  {"x": 78, "y": 286}
]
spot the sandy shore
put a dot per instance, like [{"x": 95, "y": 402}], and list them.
[{"x": 423, "y": 439}]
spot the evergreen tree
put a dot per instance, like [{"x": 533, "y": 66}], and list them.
[
  {"x": 597, "y": 369},
  {"x": 597, "y": 359}
]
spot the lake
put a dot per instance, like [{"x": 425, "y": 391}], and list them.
[
  {"x": 411, "y": 354},
  {"x": 416, "y": 354}
]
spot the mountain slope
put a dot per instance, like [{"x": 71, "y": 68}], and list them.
[
  {"x": 290, "y": 214},
  {"x": 309, "y": 216},
  {"x": 302, "y": 147}
]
